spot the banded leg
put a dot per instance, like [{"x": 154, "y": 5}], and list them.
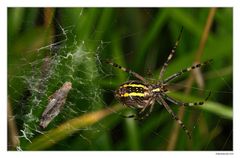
[
  {"x": 176, "y": 102},
  {"x": 142, "y": 116},
  {"x": 160, "y": 100},
  {"x": 172, "y": 77},
  {"x": 170, "y": 55},
  {"x": 143, "y": 113},
  {"x": 150, "y": 102},
  {"x": 126, "y": 70}
]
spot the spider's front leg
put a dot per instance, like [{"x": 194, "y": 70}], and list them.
[
  {"x": 170, "y": 56},
  {"x": 180, "y": 103},
  {"x": 177, "y": 74}
]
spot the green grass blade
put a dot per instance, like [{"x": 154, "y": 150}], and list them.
[{"x": 66, "y": 129}]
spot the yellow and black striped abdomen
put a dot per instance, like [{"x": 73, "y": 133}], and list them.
[{"x": 133, "y": 94}]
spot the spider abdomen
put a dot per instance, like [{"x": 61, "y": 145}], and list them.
[{"x": 134, "y": 94}]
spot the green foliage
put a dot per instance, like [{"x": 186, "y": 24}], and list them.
[{"x": 45, "y": 51}]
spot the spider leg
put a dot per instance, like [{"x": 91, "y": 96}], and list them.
[
  {"x": 143, "y": 114},
  {"x": 170, "y": 55},
  {"x": 146, "y": 110},
  {"x": 174, "y": 101},
  {"x": 160, "y": 100},
  {"x": 150, "y": 102},
  {"x": 150, "y": 110},
  {"x": 126, "y": 70},
  {"x": 172, "y": 77}
]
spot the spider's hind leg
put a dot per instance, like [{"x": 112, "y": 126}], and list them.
[{"x": 126, "y": 70}]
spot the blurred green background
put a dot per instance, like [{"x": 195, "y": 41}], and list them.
[{"x": 49, "y": 46}]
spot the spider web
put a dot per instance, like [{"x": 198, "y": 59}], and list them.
[
  {"x": 77, "y": 64},
  {"x": 60, "y": 66}
]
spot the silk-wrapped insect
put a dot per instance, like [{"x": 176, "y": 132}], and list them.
[{"x": 55, "y": 104}]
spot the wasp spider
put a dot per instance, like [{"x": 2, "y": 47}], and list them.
[{"x": 142, "y": 95}]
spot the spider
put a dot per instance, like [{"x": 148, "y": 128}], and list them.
[{"x": 142, "y": 95}]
